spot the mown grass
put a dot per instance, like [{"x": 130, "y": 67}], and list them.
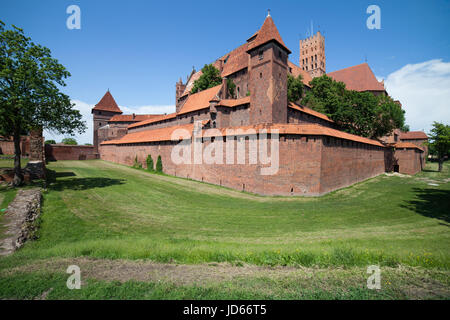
[{"x": 103, "y": 210}]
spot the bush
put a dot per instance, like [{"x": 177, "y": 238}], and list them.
[
  {"x": 136, "y": 163},
  {"x": 150, "y": 166},
  {"x": 70, "y": 141},
  {"x": 159, "y": 167},
  {"x": 50, "y": 142}
]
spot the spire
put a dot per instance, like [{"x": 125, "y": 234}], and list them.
[
  {"x": 268, "y": 12},
  {"x": 268, "y": 32},
  {"x": 107, "y": 103}
]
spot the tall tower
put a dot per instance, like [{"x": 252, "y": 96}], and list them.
[
  {"x": 312, "y": 55},
  {"x": 268, "y": 67},
  {"x": 104, "y": 110},
  {"x": 179, "y": 89}
]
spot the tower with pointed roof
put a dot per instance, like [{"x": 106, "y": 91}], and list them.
[
  {"x": 268, "y": 68},
  {"x": 104, "y": 110}
]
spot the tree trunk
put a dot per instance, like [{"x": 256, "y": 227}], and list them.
[
  {"x": 440, "y": 164},
  {"x": 18, "y": 176}
]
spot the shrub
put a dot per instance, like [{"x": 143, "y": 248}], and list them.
[
  {"x": 50, "y": 142},
  {"x": 150, "y": 166},
  {"x": 70, "y": 141},
  {"x": 136, "y": 163},
  {"x": 159, "y": 166}
]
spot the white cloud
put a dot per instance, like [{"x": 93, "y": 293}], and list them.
[
  {"x": 85, "y": 110},
  {"x": 424, "y": 91}
]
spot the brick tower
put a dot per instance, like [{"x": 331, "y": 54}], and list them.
[
  {"x": 268, "y": 67},
  {"x": 104, "y": 110},
  {"x": 312, "y": 55},
  {"x": 179, "y": 89}
]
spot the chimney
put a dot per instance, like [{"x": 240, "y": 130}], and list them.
[{"x": 224, "y": 94}]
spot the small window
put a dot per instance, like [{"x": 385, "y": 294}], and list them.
[
  {"x": 261, "y": 55},
  {"x": 260, "y": 75}
]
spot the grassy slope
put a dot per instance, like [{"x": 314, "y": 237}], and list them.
[{"x": 103, "y": 210}]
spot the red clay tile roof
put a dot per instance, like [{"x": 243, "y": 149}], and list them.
[
  {"x": 309, "y": 111},
  {"x": 296, "y": 71},
  {"x": 161, "y": 134},
  {"x": 200, "y": 100},
  {"x": 268, "y": 32},
  {"x": 107, "y": 103},
  {"x": 407, "y": 145},
  {"x": 234, "y": 102},
  {"x": 235, "y": 60},
  {"x": 413, "y": 135},
  {"x": 129, "y": 117},
  {"x": 297, "y": 129},
  {"x": 358, "y": 78},
  {"x": 155, "y": 119}
]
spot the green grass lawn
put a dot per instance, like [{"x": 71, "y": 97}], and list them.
[{"x": 102, "y": 210}]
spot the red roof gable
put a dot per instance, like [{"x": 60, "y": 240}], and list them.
[
  {"x": 268, "y": 32},
  {"x": 358, "y": 78},
  {"x": 132, "y": 118},
  {"x": 200, "y": 100},
  {"x": 413, "y": 135},
  {"x": 107, "y": 103}
]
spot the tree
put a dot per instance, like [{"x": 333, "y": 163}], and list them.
[
  {"x": 295, "y": 88},
  {"x": 150, "y": 165},
  {"x": 30, "y": 96},
  {"x": 210, "y": 78},
  {"x": 439, "y": 141},
  {"x": 360, "y": 113},
  {"x": 50, "y": 141},
  {"x": 159, "y": 167},
  {"x": 231, "y": 88},
  {"x": 70, "y": 141}
]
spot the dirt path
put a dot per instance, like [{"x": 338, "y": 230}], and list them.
[{"x": 416, "y": 283}]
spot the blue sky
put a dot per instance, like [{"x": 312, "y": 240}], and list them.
[{"x": 139, "y": 49}]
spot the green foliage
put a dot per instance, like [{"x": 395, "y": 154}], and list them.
[
  {"x": 295, "y": 88},
  {"x": 231, "y": 88},
  {"x": 360, "y": 113},
  {"x": 30, "y": 96},
  {"x": 210, "y": 78},
  {"x": 248, "y": 93},
  {"x": 136, "y": 163},
  {"x": 439, "y": 141},
  {"x": 70, "y": 141},
  {"x": 51, "y": 141},
  {"x": 150, "y": 165},
  {"x": 159, "y": 166},
  {"x": 88, "y": 144}
]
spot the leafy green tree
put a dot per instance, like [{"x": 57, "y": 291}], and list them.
[
  {"x": 150, "y": 165},
  {"x": 295, "y": 88},
  {"x": 30, "y": 96},
  {"x": 88, "y": 144},
  {"x": 159, "y": 166},
  {"x": 70, "y": 141},
  {"x": 439, "y": 141},
  {"x": 360, "y": 113},
  {"x": 326, "y": 95},
  {"x": 50, "y": 141},
  {"x": 210, "y": 78}
]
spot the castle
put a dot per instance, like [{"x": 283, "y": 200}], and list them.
[{"x": 314, "y": 156}]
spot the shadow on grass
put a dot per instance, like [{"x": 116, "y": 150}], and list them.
[
  {"x": 432, "y": 203},
  {"x": 54, "y": 183}
]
